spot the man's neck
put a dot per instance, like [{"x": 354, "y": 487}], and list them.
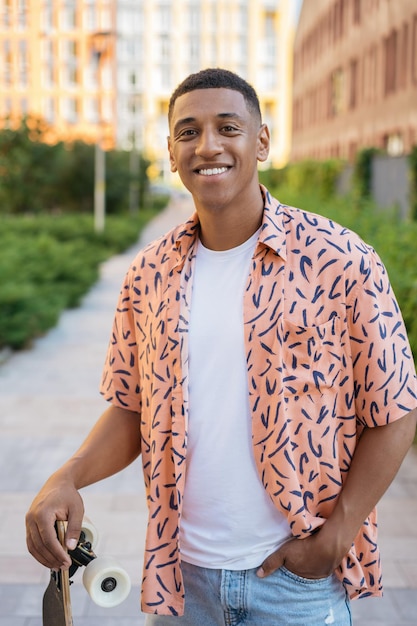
[{"x": 229, "y": 227}]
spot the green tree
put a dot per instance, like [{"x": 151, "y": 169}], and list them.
[{"x": 28, "y": 168}]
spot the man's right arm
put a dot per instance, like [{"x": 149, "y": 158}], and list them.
[{"x": 112, "y": 444}]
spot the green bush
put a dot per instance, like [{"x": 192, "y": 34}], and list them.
[
  {"x": 362, "y": 173},
  {"x": 28, "y": 169},
  {"x": 47, "y": 263},
  {"x": 412, "y": 159},
  {"x": 321, "y": 176},
  {"x": 36, "y": 176}
]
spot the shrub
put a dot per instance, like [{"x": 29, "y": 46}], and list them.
[
  {"x": 47, "y": 263},
  {"x": 412, "y": 159},
  {"x": 36, "y": 176},
  {"x": 318, "y": 175},
  {"x": 362, "y": 172}
]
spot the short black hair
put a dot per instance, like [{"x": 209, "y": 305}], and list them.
[{"x": 217, "y": 78}]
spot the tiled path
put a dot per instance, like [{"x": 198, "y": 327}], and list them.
[{"x": 49, "y": 401}]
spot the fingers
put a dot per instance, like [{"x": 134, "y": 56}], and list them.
[
  {"x": 274, "y": 561},
  {"x": 304, "y": 557},
  {"x": 73, "y": 533},
  {"x": 43, "y": 543},
  {"x": 50, "y": 505}
]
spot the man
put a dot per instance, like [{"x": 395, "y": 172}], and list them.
[{"x": 259, "y": 363}]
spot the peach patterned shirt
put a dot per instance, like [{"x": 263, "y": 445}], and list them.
[{"x": 327, "y": 355}]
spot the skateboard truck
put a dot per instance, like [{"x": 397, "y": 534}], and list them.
[
  {"x": 82, "y": 556},
  {"x": 106, "y": 582}
]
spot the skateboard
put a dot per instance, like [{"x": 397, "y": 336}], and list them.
[{"x": 105, "y": 581}]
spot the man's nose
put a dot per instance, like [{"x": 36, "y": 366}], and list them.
[{"x": 209, "y": 144}]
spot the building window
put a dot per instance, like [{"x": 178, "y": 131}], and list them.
[
  {"x": 269, "y": 30},
  {"x": 69, "y": 110},
  {"x": 24, "y": 106},
  {"x": 6, "y": 10},
  {"x": 69, "y": 63},
  {"x": 47, "y": 17},
  {"x": 107, "y": 109},
  {"x": 90, "y": 18},
  {"x": 106, "y": 75},
  {"x": 91, "y": 110},
  {"x": 353, "y": 93},
  {"x": 414, "y": 50},
  {"x": 194, "y": 53},
  {"x": 164, "y": 49},
  {"x": 268, "y": 78},
  {"x": 337, "y": 86},
  {"x": 356, "y": 11},
  {"x": 243, "y": 18},
  {"x": 23, "y": 64},
  {"x": 165, "y": 74},
  {"x": 8, "y": 63},
  {"x": 68, "y": 17},
  {"x": 403, "y": 69},
  {"x": 390, "y": 63},
  {"x": 48, "y": 64},
  {"x": 212, "y": 19},
  {"x": 105, "y": 19},
  {"x": 49, "y": 110},
  {"x": 7, "y": 106},
  {"x": 164, "y": 18},
  {"x": 22, "y": 14},
  {"x": 194, "y": 18}
]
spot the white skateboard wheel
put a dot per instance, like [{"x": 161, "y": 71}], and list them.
[
  {"x": 90, "y": 532},
  {"x": 106, "y": 582}
]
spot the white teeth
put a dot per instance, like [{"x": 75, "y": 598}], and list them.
[{"x": 213, "y": 172}]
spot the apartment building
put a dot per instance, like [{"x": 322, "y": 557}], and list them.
[
  {"x": 355, "y": 78},
  {"x": 56, "y": 64},
  {"x": 106, "y": 68}
]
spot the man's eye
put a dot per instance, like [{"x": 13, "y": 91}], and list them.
[
  {"x": 189, "y": 132},
  {"x": 230, "y": 129}
]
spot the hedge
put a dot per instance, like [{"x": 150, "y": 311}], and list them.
[{"x": 47, "y": 264}]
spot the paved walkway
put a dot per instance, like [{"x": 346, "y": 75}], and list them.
[{"x": 49, "y": 401}]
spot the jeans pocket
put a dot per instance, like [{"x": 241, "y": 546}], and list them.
[{"x": 306, "y": 581}]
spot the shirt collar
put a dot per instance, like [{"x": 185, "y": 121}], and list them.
[
  {"x": 273, "y": 229},
  {"x": 272, "y": 233}
]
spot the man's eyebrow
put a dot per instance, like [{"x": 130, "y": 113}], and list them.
[
  {"x": 230, "y": 115},
  {"x": 190, "y": 120},
  {"x": 183, "y": 122}
]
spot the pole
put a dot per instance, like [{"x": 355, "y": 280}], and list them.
[
  {"x": 100, "y": 44},
  {"x": 99, "y": 187},
  {"x": 134, "y": 181}
]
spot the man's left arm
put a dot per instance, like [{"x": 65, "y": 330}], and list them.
[{"x": 378, "y": 456}]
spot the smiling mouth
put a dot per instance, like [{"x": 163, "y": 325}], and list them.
[{"x": 212, "y": 171}]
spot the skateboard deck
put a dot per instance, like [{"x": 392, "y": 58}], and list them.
[
  {"x": 56, "y": 610},
  {"x": 105, "y": 581}
]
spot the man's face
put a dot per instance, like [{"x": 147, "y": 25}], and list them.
[{"x": 214, "y": 145}]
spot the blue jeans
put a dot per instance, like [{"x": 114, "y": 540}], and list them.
[{"x": 227, "y": 598}]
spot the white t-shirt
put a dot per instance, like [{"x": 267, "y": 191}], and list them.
[{"x": 228, "y": 520}]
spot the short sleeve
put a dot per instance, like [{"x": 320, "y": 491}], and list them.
[
  {"x": 120, "y": 383},
  {"x": 385, "y": 385}
]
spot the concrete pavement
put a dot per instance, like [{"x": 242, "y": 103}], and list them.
[{"x": 49, "y": 401}]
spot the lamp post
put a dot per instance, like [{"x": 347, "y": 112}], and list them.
[
  {"x": 134, "y": 174},
  {"x": 100, "y": 45}
]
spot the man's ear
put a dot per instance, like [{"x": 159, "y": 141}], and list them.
[
  {"x": 264, "y": 141},
  {"x": 171, "y": 156}
]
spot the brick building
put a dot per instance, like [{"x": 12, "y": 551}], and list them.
[{"x": 355, "y": 78}]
